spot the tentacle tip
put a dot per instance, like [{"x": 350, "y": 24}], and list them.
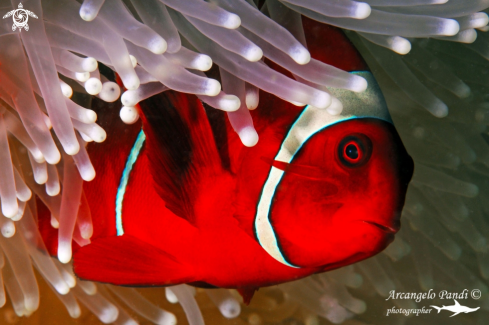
[
  {"x": 130, "y": 322},
  {"x": 401, "y": 45},
  {"x": 64, "y": 253},
  {"x": 109, "y": 314},
  {"x": 66, "y": 90},
  {"x": 27, "y": 196},
  {"x": 8, "y": 229},
  {"x": 131, "y": 83},
  {"x": 87, "y": 17},
  {"x": 54, "y": 222},
  {"x": 230, "y": 103},
  {"x": 469, "y": 36},
  {"x": 252, "y": 101},
  {"x": 134, "y": 61},
  {"x": 300, "y": 55},
  {"x": 54, "y": 158},
  {"x": 441, "y": 110},
  {"x": 110, "y": 92},
  {"x": 82, "y": 76},
  {"x": 170, "y": 296},
  {"x": 254, "y": 54},
  {"x": 232, "y": 21},
  {"x": 336, "y": 107},
  {"x": 88, "y": 175},
  {"x": 128, "y": 98},
  {"x": 89, "y": 64},
  {"x": 31, "y": 304},
  {"x": 38, "y": 156},
  {"x": 87, "y": 14},
  {"x": 248, "y": 136},
  {"x": 47, "y": 122},
  {"x": 230, "y": 308},
  {"x": 322, "y": 100},
  {"x": 362, "y": 10},
  {"x": 167, "y": 319},
  {"x": 41, "y": 179},
  {"x": 72, "y": 149},
  {"x": 212, "y": 87},
  {"x": 463, "y": 91},
  {"x": 62, "y": 288},
  {"x": 202, "y": 62},
  {"x": 359, "y": 84},
  {"x": 91, "y": 115},
  {"x": 87, "y": 233},
  {"x": 450, "y": 28},
  {"x": 100, "y": 136},
  {"x": 93, "y": 86},
  {"x": 18, "y": 216},
  {"x": 473, "y": 190},
  {"x": 129, "y": 114},
  {"x": 76, "y": 312},
  {"x": 158, "y": 45},
  {"x": 53, "y": 190}
]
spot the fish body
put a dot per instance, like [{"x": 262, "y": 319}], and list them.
[
  {"x": 179, "y": 199},
  {"x": 456, "y": 308},
  {"x": 192, "y": 202}
]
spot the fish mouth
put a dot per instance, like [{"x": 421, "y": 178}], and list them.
[{"x": 386, "y": 229}]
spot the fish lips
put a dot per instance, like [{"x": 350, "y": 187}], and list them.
[{"x": 388, "y": 229}]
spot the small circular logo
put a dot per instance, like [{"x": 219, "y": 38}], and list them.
[
  {"x": 20, "y": 17},
  {"x": 476, "y": 294}
]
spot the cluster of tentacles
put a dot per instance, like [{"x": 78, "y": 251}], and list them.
[{"x": 427, "y": 56}]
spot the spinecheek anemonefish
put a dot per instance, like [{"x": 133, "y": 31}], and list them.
[{"x": 178, "y": 198}]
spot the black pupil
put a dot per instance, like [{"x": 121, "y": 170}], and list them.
[{"x": 351, "y": 151}]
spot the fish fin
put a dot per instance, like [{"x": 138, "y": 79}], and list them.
[
  {"x": 48, "y": 233},
  {"x": 330, "y": 45},
  {"x": 127, "y": 260},
  {"x": 456, "y": 302},
  {"x": 181, "y": 149},
  {"x": 455, "y": 314},
  {"x": 247, "y": 294},
  {"x": 437, "y": 308}
]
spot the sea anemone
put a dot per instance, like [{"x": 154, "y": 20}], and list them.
[{"x": 426, "y": 55}]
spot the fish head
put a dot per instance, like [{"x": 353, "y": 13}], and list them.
[
  {"x": 341, "y": 196},
  {"x": 337, "y": 185}
]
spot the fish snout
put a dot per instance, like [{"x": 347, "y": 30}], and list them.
[{"x": 388, "y": 229}]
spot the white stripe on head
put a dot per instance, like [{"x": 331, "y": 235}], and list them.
[{"x": 312, "y": 120}]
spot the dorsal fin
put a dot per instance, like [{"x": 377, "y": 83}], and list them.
[
  {"x": 180, "y": 147},
  {"x": 330, "y": 45}
]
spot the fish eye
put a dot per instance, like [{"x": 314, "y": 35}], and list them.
[{"x": 354, "y": 150}]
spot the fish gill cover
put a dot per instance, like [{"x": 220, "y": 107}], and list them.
[{"x": 428, "y": 56}]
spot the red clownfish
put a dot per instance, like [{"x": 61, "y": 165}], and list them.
[{"x": 178, "y": 198}]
